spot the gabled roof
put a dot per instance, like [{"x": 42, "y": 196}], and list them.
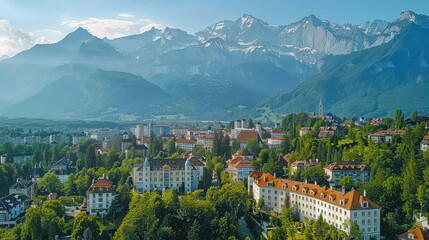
[
  {"x": 417, "y": 234},
  {"x": 22, "y": 183},
  {"x": 185, "y": 141},
  {"x": 388, "y": 133},
  {"x": 245, "y": 135},
  {"x": 102, "y": 184},
  {"x": 10, "y": 201},
  {"x": 348, "y": 165},
  {"x": 241, "y": 162},
  {"x": 352, "y": 200}
]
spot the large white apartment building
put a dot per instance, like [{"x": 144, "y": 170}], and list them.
[
  {"x": 162, "y": 174},
  {"x": 100, "y": 196},
  {"x": 311, "y": 200}
]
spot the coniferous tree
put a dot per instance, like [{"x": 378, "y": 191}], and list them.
[{"x": 399, "y": 119}]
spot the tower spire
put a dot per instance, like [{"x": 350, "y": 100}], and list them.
[{"x": 320, "y": 107}]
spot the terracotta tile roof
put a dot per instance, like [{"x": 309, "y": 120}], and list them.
[
  {"x": 388, "y": 133},
  {"x": 417, "y": 234},
  {"x": 185, "y": 141},
  {"x": 348, "y": 165},
  {"x": 103, "y": 149},
  {"x": 283, "y": 160},
  {"x": 278, "y": 131},
  {"x": 241, "y": 162},
  {"x": 277, "y": 138},
  {"x": 248, "y": 134},
  {"x": 348, "y": 122},
  {"x": 426, "y": 138},
  {"x": 351, "y": 200},
  {"x": 101, "y": 185},
  {"x": 304, "y": 163}
]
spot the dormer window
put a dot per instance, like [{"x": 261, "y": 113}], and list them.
[
  {"x": 410, "y": 236},
  {"x": 304, "y": 190},
  {"x": 270, "y": 184},
  {"x": 294, "y": 188},
  {"x": 331, "y": 198},
  {"x": 342, "y": 202},
  {"x": 364, "y": 204},
  {"x": 284, "y": 186},
  {"x": 312, "y": 193},
  {"x": 322, "y": 195}
]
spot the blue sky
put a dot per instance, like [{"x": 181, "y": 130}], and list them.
[{"x": 47, "y": 21}]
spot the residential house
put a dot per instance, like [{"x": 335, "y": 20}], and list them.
[
  {"x": 139, "y": 151},
  {"x": 12, "y": 210},
  {"x": 326, "y": 131},
  {"x": 304, "y": 130},
  {"x": 162, "y": 174},
  {"x": 205, "y": 141},
  {"x": 354, "y": 169},
  {"x": 239, "y": 166},
  {"x": 100, "y": 196},
  {"x": 79, "y": 136},
  {"x": 310, "y": 201},
  {"x": 186, "y": 145},
  {"x": 180, "y": 132},
  {"x": 103, "y": 151},
  {"x": 277, "y": 133},
  {"x": 376, "y": 121},
  {"x": 424, "y": 144},
  {"x": 245, "y": 135},
  {"x": 385, "y": 135},
  {"x": 167, "y": 137},
  {"x": 415, "y": 234},
  {"x": 61, "y": 169},
  {"x": 275, "y": 143},
  {"x": 23, "y": 187},
  {"x": 303, "y": 164}
]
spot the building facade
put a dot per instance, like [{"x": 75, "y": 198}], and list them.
[
  {"x": 424, "y": 144},
  {"x": 23, "y": 187},
  {"x": 12, "y": 210},
  {"x": 310, "y": 201},
  {"x": 354, "y": 169},
  {"x": 162, "y": 174},
  {"x": 100, "y": 196},
  {"x": 186, "y": 145}
]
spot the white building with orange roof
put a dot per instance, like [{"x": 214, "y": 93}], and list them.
[
  {"x": 275, "y": 142},
  {"x": 100, "y": 196},
  {"x": 385, "y": 135},
  {"x": 424, "y": 144},
  {"x": 311, "y": 200},
  {"x": 185, "y": 144}
]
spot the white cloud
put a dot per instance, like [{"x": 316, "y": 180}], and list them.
[
  {"x": 12, "y": 40},
  {"x": 112, "y": 28},
  {"x": 109, "y": 28},
  {"x": 126, "y": 15}
]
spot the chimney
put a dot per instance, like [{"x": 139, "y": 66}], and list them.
[
  {"x": 315, "y": 182},
  {"x": 343, "y": 190},
  {"x": 364, "y": 192},
  {"x": 305, "y": 181},
  {"x": 275, "y": 175},
  {"x": 317, "y": 160},
  {"x": 331, "y": 187}
]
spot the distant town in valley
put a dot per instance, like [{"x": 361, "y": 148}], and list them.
[{"x": 307, "y": 177}]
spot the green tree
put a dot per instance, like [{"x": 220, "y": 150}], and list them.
[
  {"x": 194, "y": 231},
  {"x": 90, "y": 157},
  {"x": 84, "y": 227},
  {"x": 261, "y": 203},
  {"x": 253, "y": 146},
  {"x": 355, "y": 232},
  {"x": 171, "y": 148},
  {"x": 399, "y": 119},
  {"x": 51, "y": 183},
  {"x": 414, "y": 116},
  {"x": 56, "y": 206},
  {"x": 346, "y": 182},
  {"x": 70, "y": 187}
]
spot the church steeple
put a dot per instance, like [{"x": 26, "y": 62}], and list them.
[{"x": 320, "y": 107}]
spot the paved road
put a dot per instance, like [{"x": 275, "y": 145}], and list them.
[{"x": 246, "y": 229}]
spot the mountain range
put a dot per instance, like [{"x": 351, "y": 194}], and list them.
[{"x": 230, "y": 69}]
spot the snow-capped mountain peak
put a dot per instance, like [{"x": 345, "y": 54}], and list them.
[{"x": 152, "y": 26}]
